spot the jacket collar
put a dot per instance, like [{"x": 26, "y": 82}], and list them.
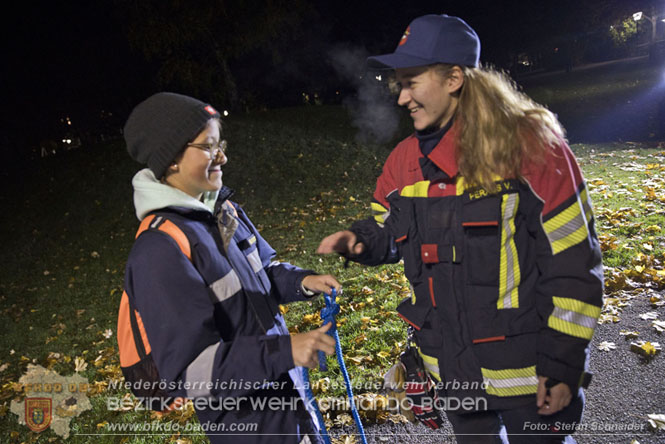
[
  {"x": 196, "y": 213},
  {"x": 444, "y": 155},
  {"x": 152, "y": 195}
]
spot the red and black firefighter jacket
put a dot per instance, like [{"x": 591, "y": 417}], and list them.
[{"x": 506, "y": 285}]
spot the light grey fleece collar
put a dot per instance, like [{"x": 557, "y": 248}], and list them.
[{"x": 150, "y": 195}]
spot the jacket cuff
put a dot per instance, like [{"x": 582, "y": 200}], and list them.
[
  {"x": 366, "y": 257},
  {"x": 301, "y": 292},
  {"x": 574, "y": 377}
]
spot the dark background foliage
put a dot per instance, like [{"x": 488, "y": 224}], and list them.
[{"x": 93, "y": 61}]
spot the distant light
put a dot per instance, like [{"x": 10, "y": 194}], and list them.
[
  {"x": 226, "y": 113},
  {"x": 663, "y": 20},
  {"x": 637, "y": 16},
  {"x": 378, "y": 77},
  {"x": 67, "y": 141}
]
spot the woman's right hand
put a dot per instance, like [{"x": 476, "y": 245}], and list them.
[
  {"x": 342, "y": 242},
  {"x": 305, "y": 346}
]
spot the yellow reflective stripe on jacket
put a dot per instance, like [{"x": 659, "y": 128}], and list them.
[
  {"x": 586, "y": 204},
  {"x": 573, "y": 317},
  {"x": 431, "y": 365},
  {"x": 510, "y": 382},
  {"x": 418, "y": 189},
  {"x": 509, "y": 271},
  {"x": 460, "y": 187},
  {"x": 567, "y": 228},
  {"x": 380, "y": 212}
]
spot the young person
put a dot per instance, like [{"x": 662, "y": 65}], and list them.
[
  {"x": 487, "y": 207},
  {"x": 206, "y": 293}
]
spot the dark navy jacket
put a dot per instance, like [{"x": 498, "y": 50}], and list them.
[{"x": 214, "y": 325}]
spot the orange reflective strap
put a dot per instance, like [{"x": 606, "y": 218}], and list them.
[
  {"x": 128, "y": 353},
  {"x": 172, "y": 230},
  {"x": 176, "y": 233},
  {"x": 145, "y": 224},
  {"x": 144, "y": 335}
]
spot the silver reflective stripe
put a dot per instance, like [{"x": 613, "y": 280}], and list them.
[
  {"x": 156, "y": 222},
  {"x": 255, "y": 261},
  {"x": 434, "y": 369},
  {"x": 386, "y": 215},
  {"x": 512, "y": 382},
  {"x": 586, "y": 204},
  {"x": 226, "y": 287},
  {"x": 510, "y": 210},
  {"x": 199, "y": 373},
  {"x": 568, "y": 228},
  {"x": 574, "y": 317}
]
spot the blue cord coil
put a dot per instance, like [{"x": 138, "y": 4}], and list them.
[{"x": 328, "y": 314}]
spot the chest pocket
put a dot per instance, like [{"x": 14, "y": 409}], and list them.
[
  {"x": 250, "y": 250},
  {"x": 481, "y": 224},
  {"x": 436, "y": 220},
  {"x": 248, "y": 247}
]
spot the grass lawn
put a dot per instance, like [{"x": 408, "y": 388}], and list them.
[{"x": 69, "y": 225}]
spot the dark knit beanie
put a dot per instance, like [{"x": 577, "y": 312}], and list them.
[{"x": 162, "y": 125}]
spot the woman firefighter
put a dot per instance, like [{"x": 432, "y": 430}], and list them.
[{"x": 487, "y": 207}]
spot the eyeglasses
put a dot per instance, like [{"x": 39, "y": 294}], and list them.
[{"x": 211, "y": 148}]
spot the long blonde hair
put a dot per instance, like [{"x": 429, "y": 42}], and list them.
[{"x": 500, "y": 126}]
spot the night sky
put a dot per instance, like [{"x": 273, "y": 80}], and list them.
[{"x": 77, "y": 58}]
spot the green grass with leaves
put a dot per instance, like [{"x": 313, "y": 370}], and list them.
[{"x": 300, "y": 175}]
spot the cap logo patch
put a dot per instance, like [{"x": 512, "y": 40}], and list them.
[
  {"x": 212, "y": 111},
  {"x": 405, "y": 36}
]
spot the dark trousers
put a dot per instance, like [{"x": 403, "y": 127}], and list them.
[{"x": 521, "y": 425}]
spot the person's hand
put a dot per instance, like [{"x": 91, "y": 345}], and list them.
[
  {"x": 305, "y": 346},
  {"x": 321, "y": 283},
  {"x": 342, "y": 242},
  {"x": 558, "y": 398}
]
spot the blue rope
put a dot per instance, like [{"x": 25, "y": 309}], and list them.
[
  {"x": 311, "y": 402},
  {"x": 328, "y": 314}
]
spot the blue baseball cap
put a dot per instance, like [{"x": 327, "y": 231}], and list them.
[{"x": 432, "y": 39}]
